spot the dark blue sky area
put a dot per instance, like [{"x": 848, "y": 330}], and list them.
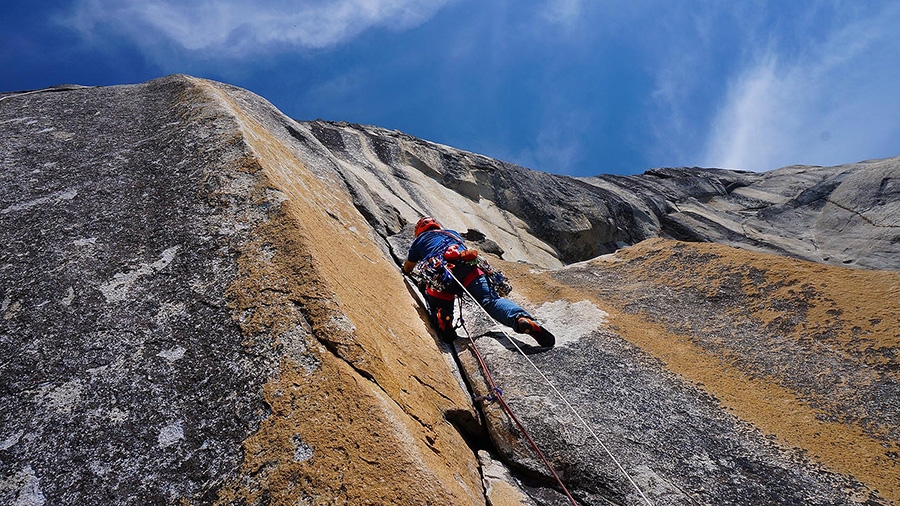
[{"x": 563, "y": 86}]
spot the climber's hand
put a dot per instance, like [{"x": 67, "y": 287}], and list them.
[{"x": 452, "y": 253}]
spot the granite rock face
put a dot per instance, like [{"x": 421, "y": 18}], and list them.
[
  {"x": 548, "y": 219},
  {"x": 170, "y": 331},
  {"x": 124, "y": 374},
  {"x": 200, "y": 303},
  {"x": 711, "y": 375}
]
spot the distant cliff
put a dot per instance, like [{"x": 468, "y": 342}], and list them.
[
  {"x": 200, "y": 303},
  {"x": 793, "y": 211}
]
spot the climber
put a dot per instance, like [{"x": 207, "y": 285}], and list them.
[{"x": 446, "y": 247}]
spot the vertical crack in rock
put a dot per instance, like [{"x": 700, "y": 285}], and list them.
[{"x": 357, "y": 430}]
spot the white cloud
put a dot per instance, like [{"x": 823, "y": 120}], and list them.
[
  {"x": 239, "y": 29},
  {"x": 836, "y": 102},
  {"x": 747, "y": 132},
  {"x": 685, "y": 57},
  {"x": 564, "y": 12},
  {"x": 557, "y": 147}
]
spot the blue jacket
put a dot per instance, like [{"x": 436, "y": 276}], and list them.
[{"x": 433, "y": 243}]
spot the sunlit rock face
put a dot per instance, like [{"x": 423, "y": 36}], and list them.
[
  {"x": 711, "y": 374},
  {"x": 190, "y": 313},
  {"x": 200, "y": 303},
  {"x": 546, "y": 219}
]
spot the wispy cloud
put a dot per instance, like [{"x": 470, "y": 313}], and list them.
[
  {"x": 835, "y": 101},
  {"x": 238, "y": 29},
  {"x": 564, "y": 12},
  {"x": 558, "y": 146},
  {"x": 687, "y": 51}
]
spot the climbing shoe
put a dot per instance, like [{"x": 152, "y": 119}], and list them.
[
  {"x": 443, "y": 324},
  {"x": 525, "y": 325}
]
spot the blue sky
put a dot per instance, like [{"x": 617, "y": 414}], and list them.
[{"x": 577, "y": 87}]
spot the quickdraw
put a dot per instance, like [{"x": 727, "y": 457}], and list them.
[
  {"x": 495, "y": 278},
  {"x": 433, "y": 273}
]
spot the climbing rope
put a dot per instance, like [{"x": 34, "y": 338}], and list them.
[
  {"x": 497, "y": 395},
  {"x": 552, "y": 387}
]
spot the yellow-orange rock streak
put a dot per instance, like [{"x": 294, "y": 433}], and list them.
[{"x": 373, "y": 441}]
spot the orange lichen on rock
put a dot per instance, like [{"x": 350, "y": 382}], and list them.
[
  {"x": 820, "y": 309},
  {"x": 854, "y": 309},
  {"x": 358, "y": 407}
]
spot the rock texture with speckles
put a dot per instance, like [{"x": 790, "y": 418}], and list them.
[
  {"x": 200, "y": 303},
  {"x": 173, "y": 329}
]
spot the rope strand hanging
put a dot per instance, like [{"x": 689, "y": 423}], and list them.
[
  {"x": 497, "y": 395},
  {"x": 558, "y": 393}
]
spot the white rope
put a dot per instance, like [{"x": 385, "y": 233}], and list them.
[{"x": 553, "y": 387}]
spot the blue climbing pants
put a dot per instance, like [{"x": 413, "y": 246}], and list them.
[{"x": 503, "y": 310}]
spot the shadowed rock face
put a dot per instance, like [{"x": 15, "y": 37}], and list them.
[
  {"x": 200, "y": 303},
  {"x": 792, "y": 211}
]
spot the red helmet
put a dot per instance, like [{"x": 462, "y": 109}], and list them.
[{"x": 426, "y": 223}]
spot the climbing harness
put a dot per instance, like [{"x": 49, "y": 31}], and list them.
[
  {"x": 434, "y": 273},
  {"x": 552, "y": 387}
]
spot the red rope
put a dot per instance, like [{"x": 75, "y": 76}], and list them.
[{"x": 498, "y": 394}]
